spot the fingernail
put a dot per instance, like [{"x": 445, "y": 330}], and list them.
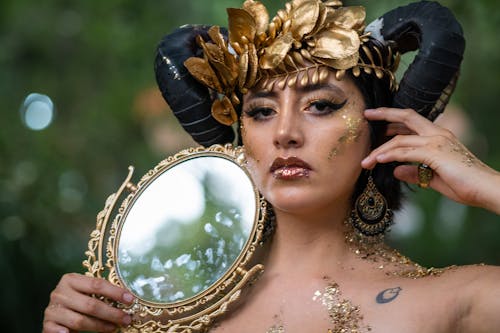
[
  {"x": 127, "y": 320},
  {"x": 128, "y": 297},
  {"x": 380, "y": 157},
  {"x": 366, "y": 160},
  {"x": 63, "y": 330}
]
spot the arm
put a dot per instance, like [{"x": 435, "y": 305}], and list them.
[
  {"x": 458, "y": 174},
  {"x": 71, "y": 308},
  {"x": 482, "y": 302}
]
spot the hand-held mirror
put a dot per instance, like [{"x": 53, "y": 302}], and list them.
[{"x": 182, "y": 239}]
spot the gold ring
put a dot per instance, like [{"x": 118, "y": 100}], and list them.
[{"x": 425, "y": 175}]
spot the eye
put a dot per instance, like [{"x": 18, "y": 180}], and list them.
[
  {"x": 324, "y": 106},
  {"x": 260, "y": 113}
]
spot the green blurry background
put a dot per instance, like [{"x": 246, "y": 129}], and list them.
[{"x": 94, "y": 59}]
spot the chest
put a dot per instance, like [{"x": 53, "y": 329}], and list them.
[{"x": 331, "y": 308}]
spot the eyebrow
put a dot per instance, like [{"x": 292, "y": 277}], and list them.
[{"x": 304, "y": 89}]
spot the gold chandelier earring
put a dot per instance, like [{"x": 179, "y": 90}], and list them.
[{"x": 371, "y": 215}]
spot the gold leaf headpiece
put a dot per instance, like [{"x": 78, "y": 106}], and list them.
[{"x": 307, "y": 36}]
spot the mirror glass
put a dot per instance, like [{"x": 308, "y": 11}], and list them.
[{"x": 185, "y": 229}]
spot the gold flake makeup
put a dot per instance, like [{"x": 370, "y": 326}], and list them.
[
  {"x": 350, "y": 135},
  {"x": 375, "y": 249},
  {"x": 276, "y": 329},
  {"x": 344, "y": 316}
]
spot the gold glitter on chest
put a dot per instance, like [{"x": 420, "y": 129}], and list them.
[
  {"x": 276, "y": 329},
  {"x": 345, "y": 317}
]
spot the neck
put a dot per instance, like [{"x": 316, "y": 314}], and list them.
[{"x": 308, "y": 241}]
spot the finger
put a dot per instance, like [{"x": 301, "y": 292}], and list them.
[
  {"x": 65, "y": 318},
  {"x": 394, "y": 129},
  {"x": 90, "y": 306},
  {"x": 408, "y": 142},
  {"x": 52, "y": 327},
  {"x": 92, "y": 285},
  {"x": 409, "y": 174},
  {"x": 405, "y": 154},
  {"x": 414, "y": 121}
]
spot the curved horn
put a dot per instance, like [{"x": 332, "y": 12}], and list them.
[
  {"x": 429, "y": 81},
  {"x": 189, "y": 100}
]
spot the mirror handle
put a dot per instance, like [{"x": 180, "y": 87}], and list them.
[{"x": 110, "y": 208}]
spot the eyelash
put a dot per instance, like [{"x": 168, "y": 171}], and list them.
[
  {"x": 330, "y": 104},
  {"x": 256, "y": 111}
]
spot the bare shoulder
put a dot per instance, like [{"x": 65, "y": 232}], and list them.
[
  {"x": 475, "y": 291},
  {"x": 470, "y": 274},
  {"x": 462, "y": 283}
]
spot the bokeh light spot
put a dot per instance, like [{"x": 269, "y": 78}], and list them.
[{"x": 37, "y": 111}]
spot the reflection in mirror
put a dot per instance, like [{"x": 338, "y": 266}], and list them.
[{"x": 186, "y": 229}]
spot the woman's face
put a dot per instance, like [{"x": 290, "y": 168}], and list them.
[{"x": 304, "y": 145}]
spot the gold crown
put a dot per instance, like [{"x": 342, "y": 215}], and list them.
[{"x": 298, "y": 46}]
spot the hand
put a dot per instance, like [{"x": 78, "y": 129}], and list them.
[
  {"x": 71, "y": 308},
  {"x": 458, "y": 174}
]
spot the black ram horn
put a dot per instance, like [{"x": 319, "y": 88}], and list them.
[
  {"x": 430, "y": 79},
  {"x": 189, "y": 100}
]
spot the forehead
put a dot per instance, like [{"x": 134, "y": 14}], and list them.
[{"x": 330, "y": 84}]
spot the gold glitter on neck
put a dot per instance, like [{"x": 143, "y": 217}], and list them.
[
  {"x": 345, "y": 317},
  {"x": 374, "y": 249}
]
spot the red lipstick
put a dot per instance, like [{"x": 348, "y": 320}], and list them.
[{"x": 290, "y": 168}]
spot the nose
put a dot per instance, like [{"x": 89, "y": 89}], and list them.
[{"x": 289, "y": 131}]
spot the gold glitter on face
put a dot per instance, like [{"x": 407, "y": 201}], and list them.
[
  {"x": 350, "y": 135},
  {"x": 345, "y": 317}
]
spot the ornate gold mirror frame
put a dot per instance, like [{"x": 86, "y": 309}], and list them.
[{"x": 194, "y": 313}]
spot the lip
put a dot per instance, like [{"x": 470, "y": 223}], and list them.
[{"x": 290, "y": 168}]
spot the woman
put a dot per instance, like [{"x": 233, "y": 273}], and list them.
[{"x": 313, "y": 94}]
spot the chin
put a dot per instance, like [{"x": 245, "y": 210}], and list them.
[{"x": 296, "y": 200}]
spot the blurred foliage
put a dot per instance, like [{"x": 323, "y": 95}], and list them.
[{"x": 94, "y": 59}]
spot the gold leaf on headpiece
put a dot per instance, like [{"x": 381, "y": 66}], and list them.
[
  {"x": 201, "y": 70},
  {"x": 216, "y": 36},
  {"x": 227, "y": 75},
  {"x": 336, "y": 44},
  {"x": 349, "y": 17},
  {"x": 242, "y": 26},
  {"x": 243, "y": 68},
  {"x": 304, "y": 19},
  {"x": 332, "y": 3},
  {"x": 259, "y": 13},
  {"x": 342, "y": 63},
  {"x": 253, "y": 66},
  {"x": 276, "y": 52},
  {"x": 223, "y": 111},
  {"x": 322, "y": 18},
  {"x": 213, "y": 52}
]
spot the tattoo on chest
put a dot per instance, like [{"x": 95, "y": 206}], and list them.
[{"x": 388, "y": 295}]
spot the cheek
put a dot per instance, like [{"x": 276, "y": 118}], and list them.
[
  {"x": 354, "y": 131},
  {"x": 248, "y": 141}
]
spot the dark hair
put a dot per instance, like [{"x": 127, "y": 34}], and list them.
[{"x": 377, "y": 93}]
